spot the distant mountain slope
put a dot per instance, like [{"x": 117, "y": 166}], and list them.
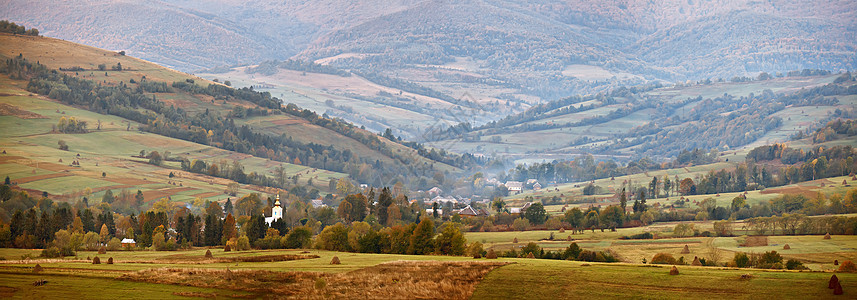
[{"x": 181, "y": 106}]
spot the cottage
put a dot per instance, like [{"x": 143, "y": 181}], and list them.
[
  {"x": 514, "y": 186},
  {"x": 469, "y": 211},
  {"x": 520, "y": 210},
  {"x": 537, "y": 186},
  {"x": 126, "y": 242},
  {"x": 318, "y": 203},
  {"x": 435, "y": 191}
]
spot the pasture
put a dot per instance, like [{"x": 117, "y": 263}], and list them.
[{"x": 181, "y": 274}]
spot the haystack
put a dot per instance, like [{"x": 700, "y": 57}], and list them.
[
  {"x": 208, "y": 254},
  {"x": 673, "y": 271},
  {"x": 833, "y": 281},
  {"x": 229, "y": 275},
  {"x": 786, "y": 247},
  {"x": 530, "y": 255},
  {"x": 38, "y": 268},
  {"x": 335, "y": 261},
  {"x": 686, "y": 250},
  {"x": 835, "y": 262},
  {"x": 477, "y": 256},
  {"x": 827, "y": 236},
  {"x": 515, "y": 240},
  {"x": 102, "y": 250},
  {"x": 696, "y": 262},
  {"x": 227, "y": 248},
  {"x": 568, "y": 238},
  {"x": 491, "y": 254},
  {"x": 110, "y": 261},
  {"x": 96, "y": 261},
  {"x": 837, "y": 290},
  {"x": 561, "y": 230}
]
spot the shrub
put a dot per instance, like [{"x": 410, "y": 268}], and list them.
[
  {"x": 640, "y": 236},
  {"x": 847, "y": 266},
  {"x": 243, "y": 243},
  {"x": 531, "y": 248},
  {"x": 52, "y": 252},
  {"x": 572, "y": 252},
  {"x": 793, "y": 264},
  {"x": 114, "y": 244},
  {"x": 664, "y": 259},
  {"x": 741, "y": 260},
  {"x": 475, "y": 249},
  {"x": 491, "y": 254}
]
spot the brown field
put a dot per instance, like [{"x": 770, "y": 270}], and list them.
[
  {"x": 40, "y": 177},
  {"x": 10, "y": 110},
  {"x": 755, "y": 241},
  {"x": 805, "y": 191},
  {"x": 395, "y": 280},
  {"x": 207, "y": 194},
  {"x": 154, "y": 195}
]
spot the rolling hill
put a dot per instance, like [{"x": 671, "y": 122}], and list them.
[
  {"x": 289, "y": 146},
  {"x": 488, "y": 58}
]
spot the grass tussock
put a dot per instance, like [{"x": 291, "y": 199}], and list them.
[{"x": 399, "y": 279}]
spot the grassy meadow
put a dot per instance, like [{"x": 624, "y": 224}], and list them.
[{"x": 130, "y": 275}]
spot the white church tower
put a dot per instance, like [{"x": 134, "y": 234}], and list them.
[{"x": 276, "y": 212}]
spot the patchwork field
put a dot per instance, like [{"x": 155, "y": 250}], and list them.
[
  {"x": 181, "y": 274},
  {"x": 105, "y": 159}
]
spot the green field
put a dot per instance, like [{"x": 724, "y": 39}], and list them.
[{"x": 523, "y": 278}]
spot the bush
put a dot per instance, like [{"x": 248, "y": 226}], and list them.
[
  {"x": 532, "y": 248},
  {"x": 664, "y": 259},
  {"x": 847, "y": 266},
  {"x": 572, "y": 252},
  {"x": 475, "y": 249},
  {"x": 741, "y": 260},
  {"x": 793, "y": 264},
  {"x": 639, "y": 236},
  {"x": 52, "y": 252},
  {"x": 243, "y": 243},
  {"x": 102, "y": 250},
  {"x": 114, "y": 244},
  {"x": 491, "y": 254}
]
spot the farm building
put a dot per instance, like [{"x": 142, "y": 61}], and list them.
[
  {"x": 520, "y": 210},
  {"x": 128, "y": 243},
  {"x": 469, "y": 211},
  {"x": 514, "y": 186}
]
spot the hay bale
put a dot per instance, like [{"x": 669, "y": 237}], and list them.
[
  {"x": 110, "y": 261},
  {"x": 568, "y": 238},
  {"x": 746, "y": 276},
  {"x": 491, "y": 254},
  {"x": 96, "y": 261},
  {"x": 837, "y": 290},
  {"x": 530, "y": 255},
  {"x": 696, "y": 262},
  {"x": 786, "y": 247},
  {"x": 673, "y": 271},
  {"x": 102, "y": 250},
  {"x": 686, "y": 250},
  {"x": 208, "y": 254},
  {"x": 515, "y": 240},
  {"x": 38, "y": 268},
  {"x": 227, "y": 248},
  {"x": 833, "y": 281},
  {"x": 847, "y": 267},
  {"x": 477, "y": 256},
  {"x": 335, "y": 261},
  {"x": 844, "y": 182},
  {"x": 827, "y": 236},
  {"x": 561, "y": 230},
  {"x": 835, "y": 262}
]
